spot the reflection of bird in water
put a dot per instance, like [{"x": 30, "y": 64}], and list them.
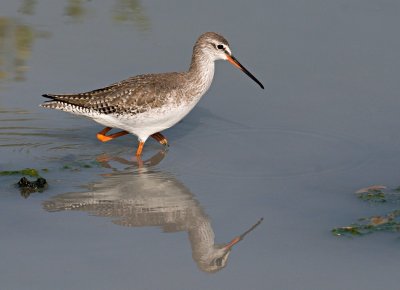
[{"x": 150, "y": 198}]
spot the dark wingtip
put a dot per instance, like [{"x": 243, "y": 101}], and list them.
[{"x": 46, "y": 103}]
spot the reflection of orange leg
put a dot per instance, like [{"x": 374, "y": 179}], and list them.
[
  {"x": 140, "y": 163},
  {"x": 160, "y": 138},
  {"x": 140, "y": 148},
  {"x": 104, "y": 138}
]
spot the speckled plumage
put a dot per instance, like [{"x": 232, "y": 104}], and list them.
[
  {"x": 147, "y": 104},
  {"x": 131, "y": 96}
]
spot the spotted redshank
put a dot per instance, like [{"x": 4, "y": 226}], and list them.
[{"x": 145, "y": 105}]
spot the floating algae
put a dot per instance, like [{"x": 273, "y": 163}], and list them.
[
  {"x": 27, "y": 171},
  {"x": 383, "y": 223},
  {"x": 389, "y": 222}
]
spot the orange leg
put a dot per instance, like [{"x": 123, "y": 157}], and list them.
[
  {"x": 160, "y": 138},
  {"x": 140, "y": 148},
  {"x": 104, "y": 138}
]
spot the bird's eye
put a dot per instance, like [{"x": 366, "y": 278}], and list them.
[
  {"x": 220, "y": 46},
  {"x": 218, "y": 262}
]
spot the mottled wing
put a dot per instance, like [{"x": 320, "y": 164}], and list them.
[{"x": 134, "y": 95}]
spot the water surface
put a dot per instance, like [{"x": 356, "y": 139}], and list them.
[{"x": 294, "y": 153}]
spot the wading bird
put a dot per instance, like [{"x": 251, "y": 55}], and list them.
[{"x": 145, "y": 105}]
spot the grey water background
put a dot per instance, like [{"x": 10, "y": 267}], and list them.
[{"x": 294, "y": 153}]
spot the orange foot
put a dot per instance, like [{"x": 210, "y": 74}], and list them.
[
  {"x": 104, "y": 138},
  {"x": 160, "y": 138}
]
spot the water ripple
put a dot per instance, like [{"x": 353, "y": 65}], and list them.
[{"x": 271, "y": 153}]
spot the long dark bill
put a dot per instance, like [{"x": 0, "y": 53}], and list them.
[
  {"x": 236, "y": 63},
  {"x": 241, "y": 237}
]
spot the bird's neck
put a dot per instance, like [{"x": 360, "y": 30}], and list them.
[
  {"x": 201, "y": 71},
  {"x": 201, "y": 236}
]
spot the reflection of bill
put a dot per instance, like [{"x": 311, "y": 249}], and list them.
[{"x": 149, "y": 197}]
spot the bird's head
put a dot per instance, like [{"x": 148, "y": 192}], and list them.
[{"x": 214, "y": 46}]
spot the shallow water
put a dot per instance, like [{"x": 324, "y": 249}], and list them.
[{"x": 294, "y": 153}]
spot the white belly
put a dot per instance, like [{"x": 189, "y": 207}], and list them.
[{"x": 145, "y": 124}]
